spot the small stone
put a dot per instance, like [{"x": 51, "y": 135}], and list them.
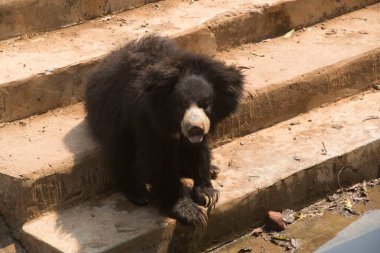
[
  {"x": 337, "y": 126},
  {"x": 275, "y": 221},
  {"x": 376, "y": 86},
  {"x": 297, "y": 158}
]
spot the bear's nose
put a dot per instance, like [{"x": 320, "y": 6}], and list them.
[{"x": 195, "y": 131}]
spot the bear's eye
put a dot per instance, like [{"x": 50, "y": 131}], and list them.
[{"x": 204, "y": 104}]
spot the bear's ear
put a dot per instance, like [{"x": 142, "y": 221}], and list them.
[
  {"x": 159, "y": 79},
  {"x": 227, "y": 82}
]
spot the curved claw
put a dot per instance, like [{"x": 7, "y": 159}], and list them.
[
  {"x": 189, "y": 213},
  {"x": 206, "y": 196}
]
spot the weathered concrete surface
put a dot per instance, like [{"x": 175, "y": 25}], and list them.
[
  {"x": 288, "y": 76},
  {"x": 7, "y": 242},
  {"x": 18, "y": 17},
  {"x": 46, "y": 161},
  {"x": 54, "y": 162},
  {"x": 111, "y": 221},
  {"x": 48, "y": 71},
  {"x": 276, "y": 168}
]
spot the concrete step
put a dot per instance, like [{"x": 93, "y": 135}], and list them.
[
  {"x": 50, "y": 161},
  {"x": 19, "y": 16},
  {"x": 284, "y": 166},
  {"x": 49, "y": 70},
  {"x": 7, "y": 242}
]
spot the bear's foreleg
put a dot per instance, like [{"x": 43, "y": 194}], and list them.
[
  {"x": 175, "y": 200},
  {"x": 137, "y": 178},
  {"x": 195, "y": 162},
  {"x": 139, "y": 174},
  {"x": 203, "y": 191}
]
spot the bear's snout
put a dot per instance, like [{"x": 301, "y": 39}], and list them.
[{"x": 195, "y": 124}]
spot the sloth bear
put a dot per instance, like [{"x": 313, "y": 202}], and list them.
[{"x": 151, "y": 105}]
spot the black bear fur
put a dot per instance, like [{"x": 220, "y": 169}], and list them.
[{"x": 135, "y": 101}]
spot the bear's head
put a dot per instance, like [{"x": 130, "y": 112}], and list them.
[
  {"x": 191, "y": 100},
  {"x": 191, "y": 96}
]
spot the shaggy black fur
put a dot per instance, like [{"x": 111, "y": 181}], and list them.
[{"x": 135, "y": 101}]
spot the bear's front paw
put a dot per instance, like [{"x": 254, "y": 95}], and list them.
[
  {"x": 206, "y": 196},
  {"x": 189, "y": 213}
]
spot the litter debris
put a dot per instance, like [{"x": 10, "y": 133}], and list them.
[
  {"x": 332, "y": 198},
  {"x": 49, "y": 71},
  {"x": 243, "y": 67},
  {"x": 343, "y": 199},
  {"x": 296, "y": 243},
  {"x": 279, "y": 239},
  {"x": 293, "y": 123},
  {"x": 257, "y": 231},
  {"x": 297, "y": 158},
  {"x": 348, "y": 206},
  {"x": 371, "y": 117},
  {"x": 324, "y": 150},
  {"x": 289, "y": 34},
  {"x": 331, "y": 32},
  {"x": 290, "y": 244},
  {"x": 259, "y": 55},
  {"x": 244, "y": 250},
  {"x": 106, "y": 18},
  {"x": 337, "y": 126},
  {"x": 145, "y": 24},
  {"x": 289, "y": 216}
]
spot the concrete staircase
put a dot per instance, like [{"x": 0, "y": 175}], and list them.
[{"x": 311, "y": 109}]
